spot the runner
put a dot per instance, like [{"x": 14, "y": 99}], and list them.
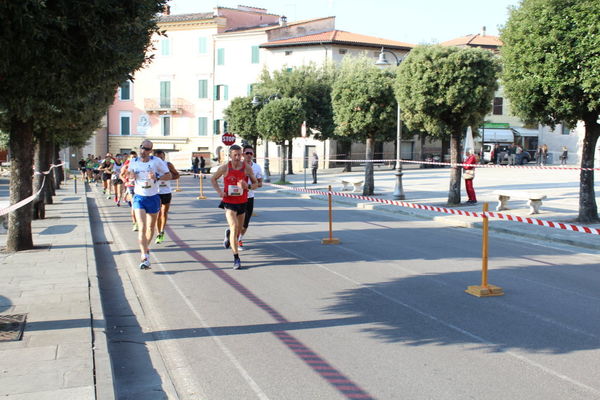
[
  {"x": 235, "y": 196},
  {"x": 248, "y": 154},
  {"x": 129, "y": 189},
  {"x": 89, "y": 168},
  {"x": 106, "y": 169},
  {"x": 147, "y": 171},
  {"x": 82, "y": 169},
  {"x": 164, "y": 191},
  {"x": 116, "y": 181}
]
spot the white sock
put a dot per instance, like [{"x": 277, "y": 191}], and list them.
[{"x": 240, "y": 238}]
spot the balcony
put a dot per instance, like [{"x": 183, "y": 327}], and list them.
[{"x": 164, "y": 106}]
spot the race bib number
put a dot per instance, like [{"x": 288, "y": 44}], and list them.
[{"x": 233, "y": 190}]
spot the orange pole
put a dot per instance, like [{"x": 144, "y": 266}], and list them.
[
  {"x": 484, "y": 249},
  {"x": 330, "y": 214},
  {"x": 202, "y": 196},
  {"x": 177, "y": 187}
]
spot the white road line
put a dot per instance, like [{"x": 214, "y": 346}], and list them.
[
  {"x": 440, "y": 321},
  {"x": 237, "y": 364}
]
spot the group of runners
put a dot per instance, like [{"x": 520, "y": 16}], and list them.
[{"x": 147, "y": 190}]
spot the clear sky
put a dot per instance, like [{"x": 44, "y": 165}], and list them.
[{"x": 415, "y": 21}]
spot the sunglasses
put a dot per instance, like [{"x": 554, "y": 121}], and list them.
[
  {"x": 146, "y": 148},
  {"x": 249, "y": 153}
]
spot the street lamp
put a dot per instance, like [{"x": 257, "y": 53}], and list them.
[
  {"x": 398, "y": 190},
  {"x": 256, "y": 101}
]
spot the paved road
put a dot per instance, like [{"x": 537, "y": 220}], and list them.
[{"x": 382, "y": 315}]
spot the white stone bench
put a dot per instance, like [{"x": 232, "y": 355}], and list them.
[
  {"x": 534, "y": 199},
  {"x": 349, "y": 182}
]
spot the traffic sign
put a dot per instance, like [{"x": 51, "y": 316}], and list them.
[{"x": 228, "y": 139}]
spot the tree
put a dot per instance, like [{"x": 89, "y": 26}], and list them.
[
  {"x": 241, "y": 119},
  {"x": 280, "y": 120},
  {"x": 311, "y": 84},
  {"x": 551, "y": 73},
  {"x": 442, "y": 91},
  {"x": 364, "y": 107},
  {"x": 51, "y": 53}
]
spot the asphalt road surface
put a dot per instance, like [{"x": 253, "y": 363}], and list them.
[{"x": 382, "y": 315}]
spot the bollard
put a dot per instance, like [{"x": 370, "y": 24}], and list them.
[
  {"x": 177, "y": 189},
  {"x": 485, "y": 289},
  {"x": 202, "y": 196},
  {"x": 75, "y": 183},
  {"x": 330, "y": 239}
]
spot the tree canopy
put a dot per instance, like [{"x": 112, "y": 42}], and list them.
[
  {"x": 241, "y": 118},
  {"x": 364, "y": 107},
  {"x": 442, "y": 91},
  {"x": 551, "y": 73}
]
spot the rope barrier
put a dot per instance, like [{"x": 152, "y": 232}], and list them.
[{"x": 490, "y": 214}]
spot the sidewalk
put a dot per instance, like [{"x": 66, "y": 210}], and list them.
[
  {"x": 63, "y": 353},
  {"x": 429, "y": 186}
]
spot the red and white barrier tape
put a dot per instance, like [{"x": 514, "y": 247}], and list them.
[
  {"x": 489, "y": 214},
  {"x": 29, "y": 199}
]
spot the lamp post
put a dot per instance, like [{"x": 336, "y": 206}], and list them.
[
  {"x": 398, "y": 190},
  {"x": 256, "y": 101}
]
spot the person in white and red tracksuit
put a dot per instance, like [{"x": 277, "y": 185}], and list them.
[{"x": 469, "y": 176}]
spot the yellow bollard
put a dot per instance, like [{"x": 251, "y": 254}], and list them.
[
  {"x": 177, "y": 189},
  {"x": 330, "y": 239},
  {"x": 485, "y": 289},
  {"x": 202, "y": 196}
]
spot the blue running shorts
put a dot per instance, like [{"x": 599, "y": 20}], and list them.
[{"x": 149, "y": 203}]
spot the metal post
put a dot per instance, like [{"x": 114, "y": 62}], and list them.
[
  {"x": 202, "y": 196},
  {"x": 398, "y": 190},
  {"x": 331, "y": 239},
  {"x": 267, "y": 172}
]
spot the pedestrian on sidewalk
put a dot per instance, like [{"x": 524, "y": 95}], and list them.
[
  {"x": 164, "y": 191},
  {"x": 469, "y": 176},
  {"x": 234, "y": 197},
  {"x": 565, "y": 154},
  {"x": 116, "y": 181},
  {"x": 315, "y": 165},
  {"x": 248, "y": 154},
  {"x": 147, "y": 171}
]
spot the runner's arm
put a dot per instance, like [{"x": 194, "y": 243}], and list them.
[
  {"x": 250, "y": 174},
  {"x": 174, "y": 173}
]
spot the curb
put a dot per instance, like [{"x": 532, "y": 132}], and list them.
[
  {"x": 103, "y": 372},
  {"x": 452, "y": 220}
]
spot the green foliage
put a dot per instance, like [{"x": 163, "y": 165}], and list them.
[
  {"x": 310, "y": 84},
  {"x": 241, "y": 118},
  {"x": 281, "y": 119},
  {"x": 551, "y": 63},
  {"x": 442, "y": 90},
  {"x": 363, "y": 101}
]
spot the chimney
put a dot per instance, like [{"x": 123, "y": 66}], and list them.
[
  {"x": 167, "y": 10},
  {"x": 283, "y": 20},
  {"x": 483, "y": 31}
]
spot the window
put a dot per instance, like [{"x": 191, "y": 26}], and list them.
[
  {"x": 125, "y": 123},
  {"x": 221, "y": 56},
  {"x": 342, "y": 51},
  {"x": 202, "y": 45},
  {"x": 221, "y": 92},
  {"x": 203, "y": 89},
  {"x": 165, "y": 47},
  {"x": 288, "y": 52},
  {"x": 497, "y": 109},
  {"x": 219, "y": 126},
  {"x": 565, "y": 129},
  {"x": 165, "y": 125},
  {"x": 202, "y": 126},
  {"x": 251, "y": 88},
  {"x": 125, "y": 91},
  {"x": 255, "y": 55},
  {"x": 165, "y": 94}
]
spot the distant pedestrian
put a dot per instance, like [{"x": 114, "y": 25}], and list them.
[
  {"x": 544, "y": 154},
  {"x": 564, "y": 155},
  {"x": 202, "y": 166},
  {"x": 469, "y": 176},
  {"x": 512, "y": 154},
  {"x": 314, "y": 165},
  {"x": 195, "y": 166}
]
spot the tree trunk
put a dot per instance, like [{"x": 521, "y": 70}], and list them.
[
  {"x": 455, "y": 172},
  {"x": 49, "y": 191},
  {"x": 290, "y": 170},
  {"x": 369, "y": 185},
  {"x": 39, "y": 209},
  {"x": 347, "y": 149},
  {"x": 21, "y": 151},
  {"x": 59, "y": 174},
  {"x": 282, "y": 163},
  {"x": 588, "y": 210}
]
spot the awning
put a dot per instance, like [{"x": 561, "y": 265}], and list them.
[
  {"x": 526, "y": 132},
  {"x": 496, "y": 135}
]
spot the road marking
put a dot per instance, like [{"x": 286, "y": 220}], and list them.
[
  {"x": 330, "y": 374},
  {"x": 440, "y": 321}
]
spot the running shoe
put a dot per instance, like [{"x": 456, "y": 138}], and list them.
[
  {"x": 135, "y": 227},
  {"x": 226, "y": 242},
  {"x": 240, "y": 245},
  {"x": 103, "y": 191},
  {"x": 160, "y": 237},
  {"x": 145, "y": 264},
  {"x": 108, "y": 197},
  {"x": 118, "y": 204},
  {"x": 237, "y": 264}
]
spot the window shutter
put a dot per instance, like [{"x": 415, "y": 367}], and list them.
[
  {"x": 202, "y": 89},
  {"x": 225, "y": 92},
  {"x": 202, "y": 126},
  {"x": 202, "y": 45},
  {"x": 221, "y": 56},
  {"x": 255, "y": 55}
]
